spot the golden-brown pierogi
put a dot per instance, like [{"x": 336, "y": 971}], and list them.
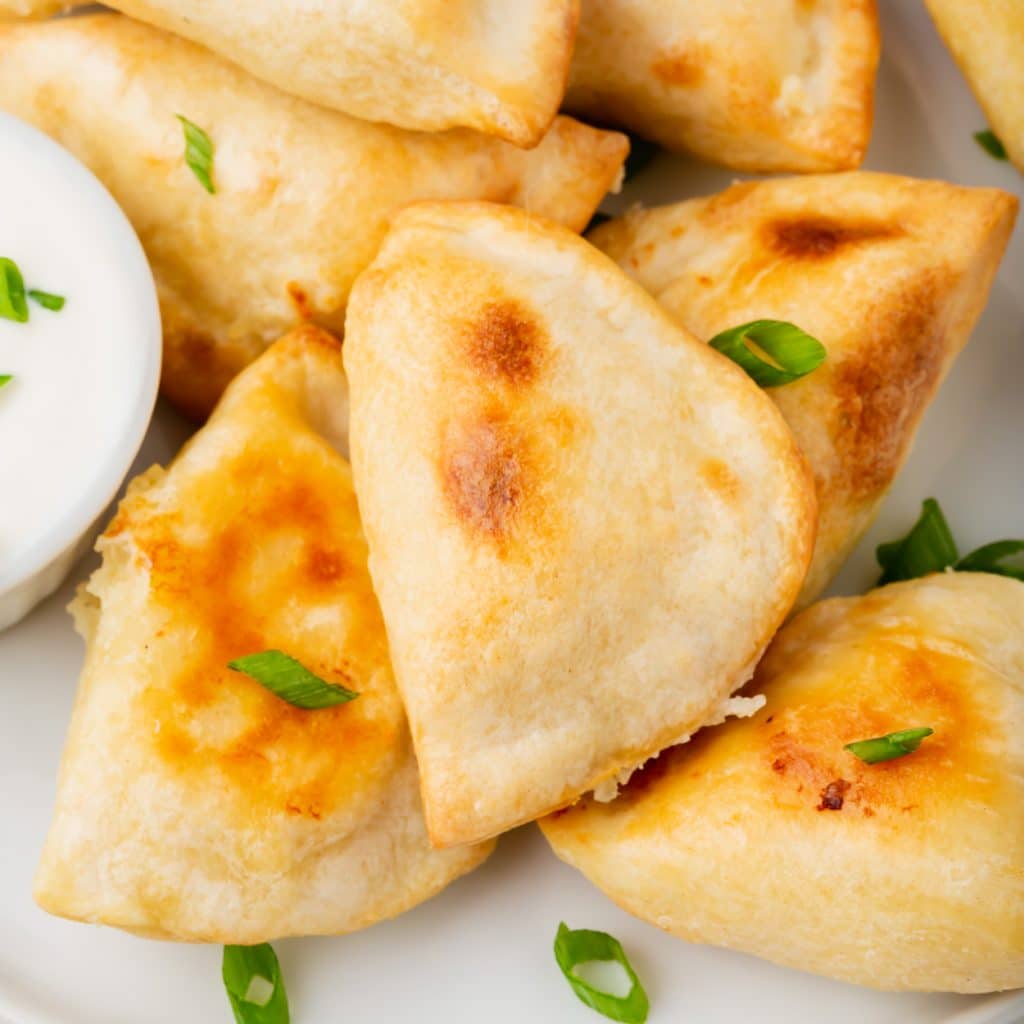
[
  {"x": 889, "y": 273},
  {"x": 303, "y": 193},
  {"x": 987, "y": 39},
  {"x": 760, "y": 85},
  {"x": 35, "y": 8},
  {"x": 584, "y": 524},
  {"x": 492, "y": 65},
  {"x": 193, "y": 803},
  {"x": 766, "y": 836}
]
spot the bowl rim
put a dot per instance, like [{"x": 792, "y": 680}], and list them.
[{"x": 112, "y": 465}]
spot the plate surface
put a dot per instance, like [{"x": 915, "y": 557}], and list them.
[{"x": 482, "y": 950}]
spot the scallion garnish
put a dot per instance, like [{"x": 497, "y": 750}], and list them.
[
  {"x": 991, "y": 143},
  {"x": 928, "y": 547},
  {"x": 291, "y": 680},
  {"x": 795, "y": 353},
  {"x": 47, "y": 299},
  {"x": 575, "y": 948},
  {"x": 12, "y": 292},
  {"x": 5, "y": 379},
  {"x": 890, "y": 746},
  {"x": 198, "y": 153},
  {"x": 252, "y": 977},
  {"x": 1001, "y": 557}
]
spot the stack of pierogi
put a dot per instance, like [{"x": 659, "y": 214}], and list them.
[{"x": 489, "y": 475}]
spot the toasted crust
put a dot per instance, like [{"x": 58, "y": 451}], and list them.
[
  {"x": 889, "y": 273},
  {"x": 36, "y": 8},
  {"x": 765, "y": 835},
  {"x": 304, "y": 193},
  {"x": 781, "y": 85},
  {"x": 426, "y": 65},
  {"x": 987, "y": 39},
  {"x": 557, "y": 483},
  {"x": 193, "y": 804}
]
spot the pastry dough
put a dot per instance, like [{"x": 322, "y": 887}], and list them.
[
  {"x": 765, "y": 835},
  {"x": 36, "y": 8},
  {"x": 760, "y": 85},
  {"x": 304, "y": 194},
  {"x": 492, "y": 65},
  {"x": 889, "y": 273},
  {"x": 584, "y": 525},
  {"x": 193, "y": 804},
  {"x": 987, "y": 39}
]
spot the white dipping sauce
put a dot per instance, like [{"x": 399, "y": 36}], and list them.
[{"x": 81, "y": 375}]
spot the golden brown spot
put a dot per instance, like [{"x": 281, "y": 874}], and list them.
[
  {"x": 505, "y": 343},
  {"x": 833, "y": 794},
  {"x": 679, "y": 67},
  {"x": 324, "y": 565},
  {"x": 815, "y": 238},
  {"x": 883, "y": 387},
  {"x": 226, "y": 569},
  {"x": 483, "y": 475},
  {"x": 720, "y": 479},
  {"x": 299, "y": 300},
  {"x": 805, "y": 750}
]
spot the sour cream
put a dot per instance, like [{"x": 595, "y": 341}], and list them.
[{"x": 84, "y": 378}]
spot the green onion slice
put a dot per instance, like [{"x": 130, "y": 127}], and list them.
[
  {"x": 252, "y": 977},
  {"x": 928, "y": 547},
  {"x": 992, "y": 144},
  {"x": 1001, "y": 557},
  {"x": 198, "y": 153},
  {"x": 291, "y": 680},
  {"x": 794, "y": 352},
  {"x": 5, "y": 379},
  {"x": 574, "y": 948},
  {"x": 12, "y": 292},
  {"x": 47, "y": 299},
  {"x": 889, "y": 747}
]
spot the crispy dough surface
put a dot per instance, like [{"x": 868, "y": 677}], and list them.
[
  {"x": 889, "y": 273},
  {"x": 429, "y": 65},
  {"x": 193, "y": 804},
  {"x": 36, "y": 8},
  {"x": 584, "y": 525},
  {"x": 987, "y": 39},
  {"x": 304, "y": 193},
  {"x": 916, "y": 879},
  {"x": 759, "y": 85}
]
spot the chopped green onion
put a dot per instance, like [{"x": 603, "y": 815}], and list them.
[
  {"x": 996, "y": 558},
  {"x": 252, "y": 977},
  {"x": 575, "y": 948},
  {"x": 889, "y": 747},
  {"x": 641, "y": 153},
  {"x": 47, "y": 300},
  {"x": 198, "y": 153},
  {"x": 12, "y": 292},
  {"x": 5, "y": 379},
  {"x": 928, "y": 547},
  {"x": 291, "y": 681},
  {"x": 794, "y": 352},
  {"x": 992, "y": 144}
]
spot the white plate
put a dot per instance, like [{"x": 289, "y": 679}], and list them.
[{"x": 482, "y": 950}]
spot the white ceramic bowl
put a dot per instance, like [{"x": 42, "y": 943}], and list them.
[{"x": 122, "y": 324}]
